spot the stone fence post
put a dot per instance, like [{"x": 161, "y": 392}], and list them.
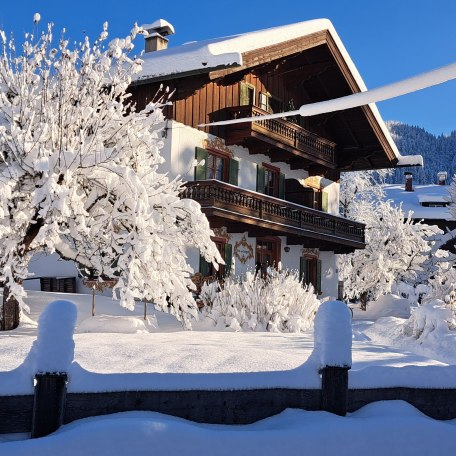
[
  {"x": 51, "y": 356},
  {"x": 333, "y": 353}
]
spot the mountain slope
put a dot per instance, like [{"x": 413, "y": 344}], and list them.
[{"x": 439, "y": 152}]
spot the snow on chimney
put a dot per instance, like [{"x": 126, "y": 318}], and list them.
[
  {"x": 156, "y": 40},
  {"x": 441, "y": 177},
  {"x": 408, "y": 182}
]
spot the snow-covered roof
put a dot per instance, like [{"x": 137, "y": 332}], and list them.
[
  {"x": 411, "y": 201},
  {"x": 204, "y": 56},
  {"x": 226, "y": 51}
]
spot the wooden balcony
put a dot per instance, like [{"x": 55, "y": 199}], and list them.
[
  {"x": 260, "y": 215},
  {"x": 281, "y": 139}
]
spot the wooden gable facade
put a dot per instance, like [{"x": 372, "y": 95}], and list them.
[
  {"x": 275, "y": 79},
  {"x": 278, "y": 78}
]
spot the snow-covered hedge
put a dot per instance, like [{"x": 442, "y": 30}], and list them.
[
  {"x": 429, "y": 320},
  {"x": 276, "y": 303}
]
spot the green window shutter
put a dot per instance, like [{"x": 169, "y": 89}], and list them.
[
  {"x": 244, "y": 94},
  {"x": 200, "y": 170},
  {"x": 204, "y": 266},
  {"x": 234, "y": 172},
  {"x": 318, "y": 287},
  {"x": 282, "y": 186},
  {"x": 303, "y": 269},
  {"x": 324, "y": 201},
  {"x": 228, "y": 259},
  {"x": 260, "y": 179}
]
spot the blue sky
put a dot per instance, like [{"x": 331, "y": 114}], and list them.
[{"x": 388, "y": 40}]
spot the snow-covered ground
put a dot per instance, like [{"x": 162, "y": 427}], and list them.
[
  {"x": 379, "y": 429},
  {"x": 158, "y": 354}
]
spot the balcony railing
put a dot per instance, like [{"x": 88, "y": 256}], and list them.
[
  {"x": 283, "y": 131},
  {"x": 289, "y": 218}
]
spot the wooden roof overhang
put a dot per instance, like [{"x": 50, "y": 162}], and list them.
[{"x": 316, "y": 64}]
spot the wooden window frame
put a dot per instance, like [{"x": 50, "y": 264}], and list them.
[
  {"x": 226, "y": 164},
  {"x": 313, "y": 272},
  {"x": 251, "y": 90},
  {"x": 266, "y": 105},
  {"x": 208, "y": 268},
  {"x": 276, "y": 173}
]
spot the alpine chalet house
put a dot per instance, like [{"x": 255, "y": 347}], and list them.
[
  {"x": 427, "y": 203},
  {"x": 269, "y": 188}
]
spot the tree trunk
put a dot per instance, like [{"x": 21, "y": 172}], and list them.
[
  {"x": 10, "y": 311},
  {"x": 363, "y": 300}
]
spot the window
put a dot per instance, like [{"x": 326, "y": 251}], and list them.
[
  {"x": 215, "y": 165},
  {"x": 270, "y": 181},
  {"x": 310, "y": 272},
  {"x": 271, "y": 177},
  {"x": 269, "y": 103},
  {"x": 226, "y": 252},
  {"x": 247, "y": 94},
  {"x": 263, "y": 101},
  {"x": 316, "y": 199},
  {"x": 267, "y": 253}
]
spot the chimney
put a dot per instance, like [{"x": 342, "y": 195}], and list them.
[
  {"x": 441, "y": 177},
  {"x": 408, "y": 182},
  {"x": 155, "y": 39}
]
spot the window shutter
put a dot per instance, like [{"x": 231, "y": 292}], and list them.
[
  {"x": 324, "y": 201},
  {"x": 244, "y": 94},
  {"x": 282, "y": 186},
  {"x": 260, "y": 179},
  {"x": 204, "y": 266},
  {"x": 234, "y": 172},
  {"x": 200, "y": 170},
  {"x": 318, "y": 276},
  {"x": 303, "y": 269},
  {"x": 228, "y": 259}
]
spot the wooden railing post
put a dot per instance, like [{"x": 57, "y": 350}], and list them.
[
  {"x": 49, "y": 403},
  {"x": 334, "y": 389}
]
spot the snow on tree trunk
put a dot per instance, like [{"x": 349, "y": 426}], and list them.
[
  {"x": 80, "y": 173},
  {"x": 9, "y": 318}
]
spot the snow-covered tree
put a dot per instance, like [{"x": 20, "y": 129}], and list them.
[
  {"x": 396, "y": 247},
  {"x": 80, "y": 175},
  {"x": 360, "y": 186},
  {"x": 452, "y": 197}
]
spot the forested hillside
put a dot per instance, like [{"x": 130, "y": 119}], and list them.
[{"x": 439, "y": 152}]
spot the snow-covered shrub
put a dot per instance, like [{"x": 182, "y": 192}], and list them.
[
  {"x": 429, "y": 320},
  {"x": 278, "y": 303},
  {"x": 441, "y": 284}
]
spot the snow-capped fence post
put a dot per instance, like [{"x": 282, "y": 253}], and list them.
[
  {"x": 52, "y": 353},
  {"x": 48, "y": 403},
  {"x": 333, "y": 343}
]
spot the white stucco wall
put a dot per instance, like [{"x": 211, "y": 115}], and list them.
[
  {"x": 329, "y": 274},
  {"x": 43, "y": 265},
  {"x": 180, "y": 145}
]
